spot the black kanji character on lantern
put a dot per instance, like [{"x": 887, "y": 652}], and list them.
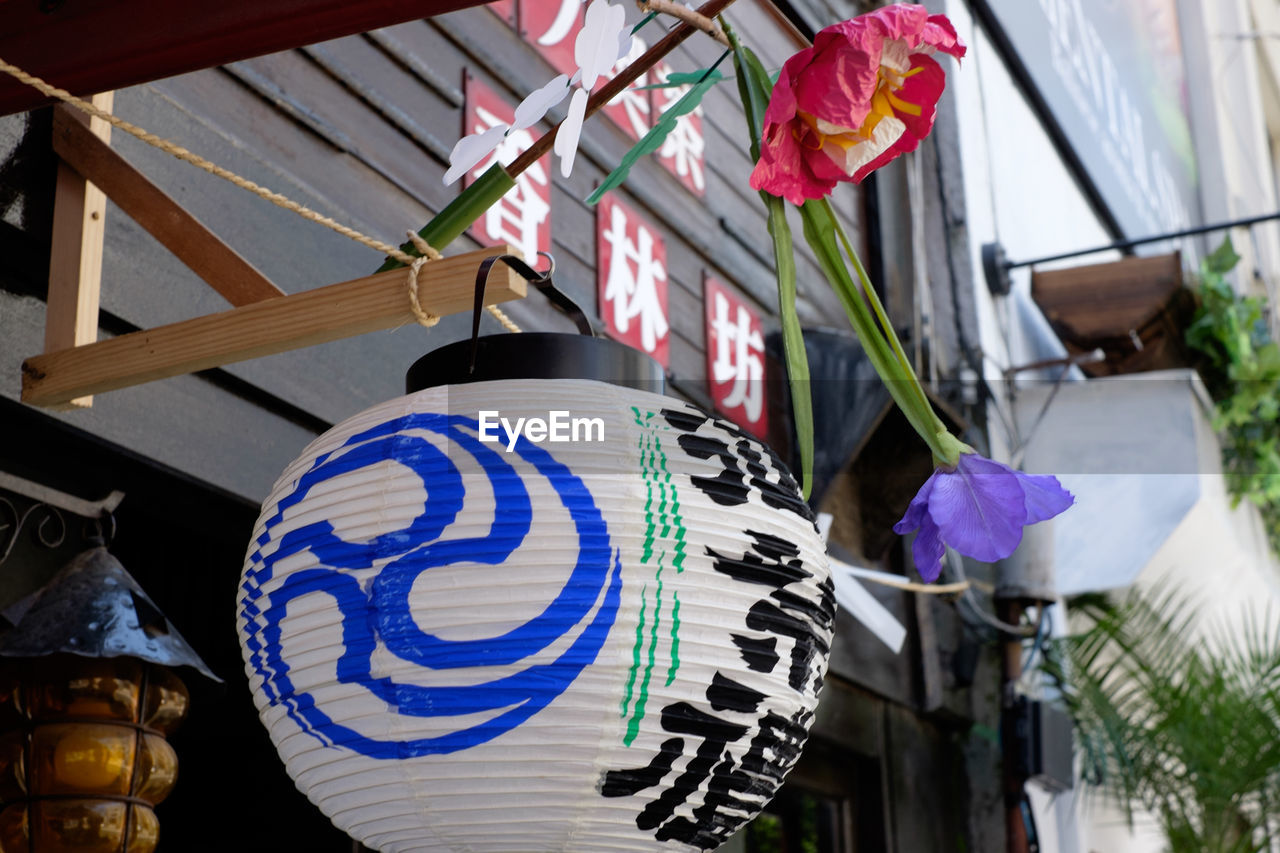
[
  {"x": 772, "y": 561},
  {"x": 735, "y": 789},
  {"x": 733, "y": 485}
]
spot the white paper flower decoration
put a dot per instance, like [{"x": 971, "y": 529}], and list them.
[
  {"x": 534, "y": 107},
  {"x": 471, "y": 149},
  {"x": 566, "y": 145},
  {"x": 597, "y": 45},
  {"x": 602, "y": 41}
]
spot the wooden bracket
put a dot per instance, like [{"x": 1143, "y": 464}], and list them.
[
  {"x": 151, "y": 207},
  {"x": 75, "y": 261},
  {"x": 379, "y": 301},
  {"x": 265, "y": 320}
]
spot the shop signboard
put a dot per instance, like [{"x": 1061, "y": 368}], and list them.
[
  {"x": 683, "y": 151},
  {"x": 1112, "y": 76},
  {"x": 632, "y": 279}
]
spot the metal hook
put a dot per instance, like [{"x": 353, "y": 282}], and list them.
[
  {"x": 100, "y": 525},
  {"x": 551, "y": 265},
  {"x": 540, "y": 280}
]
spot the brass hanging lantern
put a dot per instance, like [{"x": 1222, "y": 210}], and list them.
[{"x": 86, "y": 701}]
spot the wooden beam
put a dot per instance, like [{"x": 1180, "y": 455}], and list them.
[
  {"x": 239, "y": 282},
  {"x": 379, "y": 301},
  {"x": 75, "y": 260}
]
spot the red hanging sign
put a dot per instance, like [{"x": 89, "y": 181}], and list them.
[
  {"x": 632, "y": 279},
  {"x": 552, "y": 27},
  {"x": 735, "y": 358}
]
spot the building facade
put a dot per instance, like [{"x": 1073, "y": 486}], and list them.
[
  {"x": 1083, "y": 124},
  {"x": 904, "y": 755},
  {"x": 1068, "y": 126}
]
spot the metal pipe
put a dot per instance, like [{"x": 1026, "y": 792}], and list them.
[{"x": 1129, "y": 244}]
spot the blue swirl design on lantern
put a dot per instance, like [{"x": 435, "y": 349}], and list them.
[{"x": 382, "y": 612}]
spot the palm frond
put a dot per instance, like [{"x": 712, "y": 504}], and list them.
[{"x": 1167, "y": 721}]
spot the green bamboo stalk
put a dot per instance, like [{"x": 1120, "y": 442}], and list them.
[{"x": 457, "y": 215}]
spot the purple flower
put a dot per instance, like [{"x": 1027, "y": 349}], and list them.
[{"x": 979, "y": 508}]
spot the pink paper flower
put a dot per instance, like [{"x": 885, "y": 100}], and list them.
[{"x": 863, "y": 94}]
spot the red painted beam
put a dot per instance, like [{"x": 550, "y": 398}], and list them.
[{"x": 89, "y": 46}]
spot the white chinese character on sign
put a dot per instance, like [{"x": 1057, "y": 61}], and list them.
[
  {"x": 634, "y": 295},
  {"x": 684, "y": 146},
  {"x": 516, "y": 218},
  {"x": 634, "y": 100},
  {"x": 562, "y": 24},
  {"x": 739, "y": 356}
]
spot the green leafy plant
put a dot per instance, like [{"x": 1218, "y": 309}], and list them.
[
  {"x": 1165, "y": 724},
  {"x": 1241, "y": 368}
]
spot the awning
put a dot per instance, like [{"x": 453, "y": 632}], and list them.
[{"x": 1141, "y": 457}]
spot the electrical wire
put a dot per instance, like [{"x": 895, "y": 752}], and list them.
[
  {"x": 956, "y": 565},
  {"x": 1044, "y": 628}
]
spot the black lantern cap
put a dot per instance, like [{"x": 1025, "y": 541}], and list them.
[
  {"x": 94, "y": 608},
  {"x": 536, "y": 355}
]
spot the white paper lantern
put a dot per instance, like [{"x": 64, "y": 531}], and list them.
[{"x": 589, "y": 645}]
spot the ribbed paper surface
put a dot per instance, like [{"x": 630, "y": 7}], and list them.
[{"x": 588, "y": 645}]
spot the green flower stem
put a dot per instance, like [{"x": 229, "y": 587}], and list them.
[
  {"x": 897, "y": 378},
  {"x": 457, "y": 216},
  {"x": 753, "y": 88},
  {"x": 797, "y": 359},
  {"x": 890, "y": 335},
  {"x": 867, "y": 315}
]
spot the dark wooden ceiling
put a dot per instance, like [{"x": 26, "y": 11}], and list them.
[{"x": 89, "y": 46}]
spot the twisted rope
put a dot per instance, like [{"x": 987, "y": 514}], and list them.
[
  {"x": 912, "y": 586},
  {"x": 278, "y": 199},
  {"x": 427, "y": 253},
  {"x": 501, "y": 317}
]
